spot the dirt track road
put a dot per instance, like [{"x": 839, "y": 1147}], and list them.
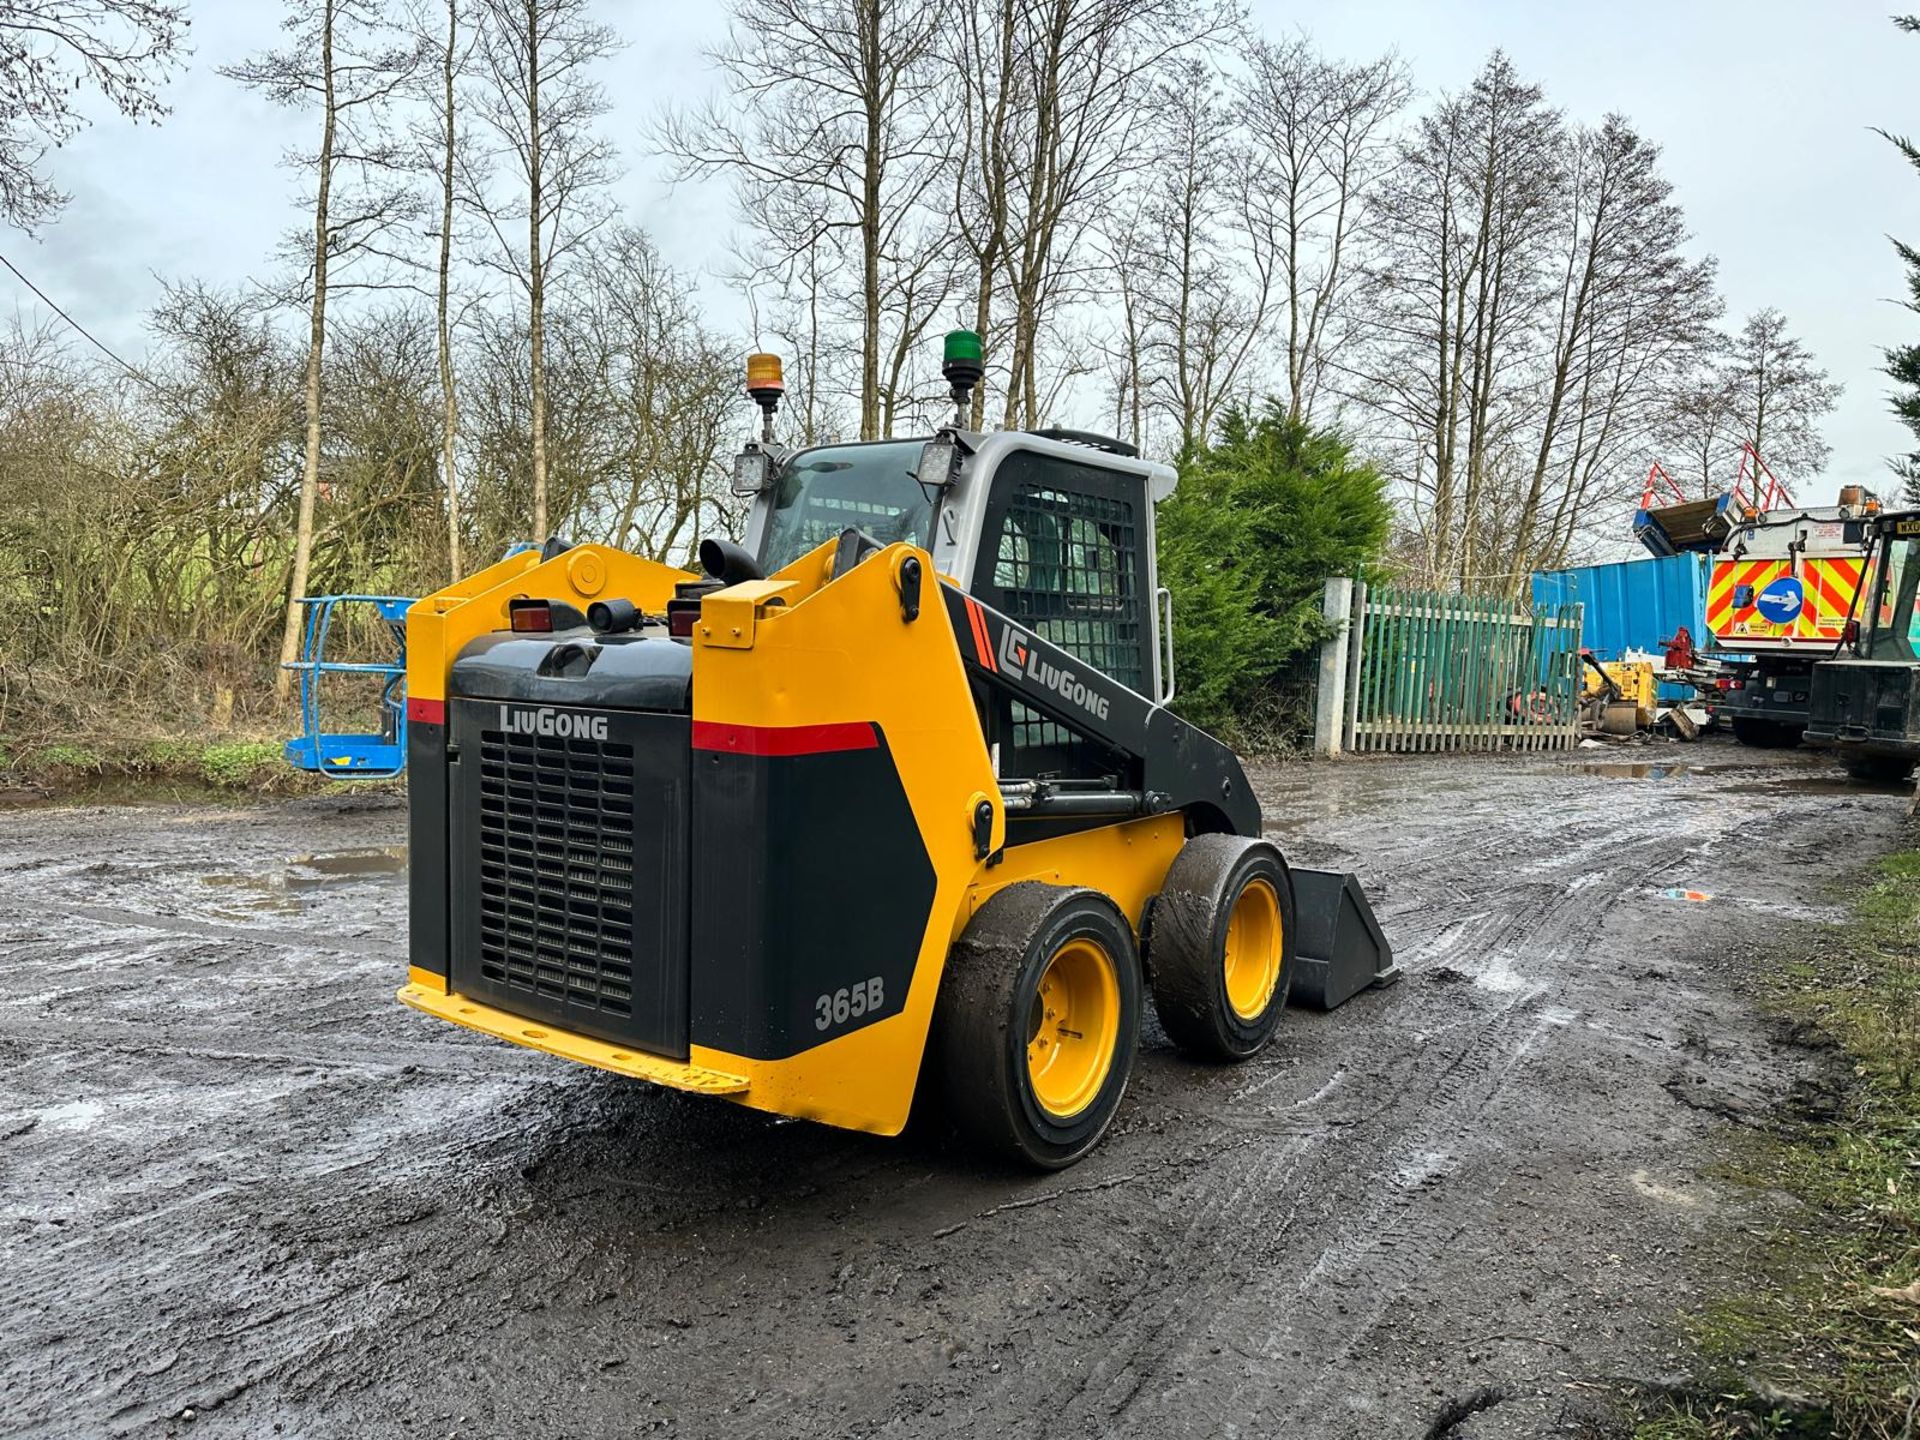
[{"x": 236, "y": 1179}]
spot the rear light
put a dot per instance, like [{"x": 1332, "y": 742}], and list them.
[
  {"x": 1725, "y": 684},
  {"x": 530, "y": 617},
  {"x": 1852, "y": 633},
  {"x": 680, "y": 620}
]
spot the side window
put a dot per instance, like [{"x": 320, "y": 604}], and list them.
[
  {"x": 1063, "y": 555},
  {"x": 1909, "y": 584},
  {"x": 1013, "y": 564}
]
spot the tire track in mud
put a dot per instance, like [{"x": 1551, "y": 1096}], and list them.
[
  {"x": 1161, "y": 1325},
  {"x": 414, "y": 1227},
  {"x": 205, "y": 1187},
  {"x": 1426, "y": 1113}
]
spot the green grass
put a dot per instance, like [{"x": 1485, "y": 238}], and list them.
[
  {"x": 1713, "y": 1419},
  {"x": 245, "y": 764},
  {"x": 81, "y": 758},
  {"x": 1813, "y": 1320},
  {"x": 168, "y": 767}
]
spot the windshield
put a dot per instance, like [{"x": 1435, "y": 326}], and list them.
[
  {"x": 822, "y": 492},
  {"x": 1891, "y": 611}
]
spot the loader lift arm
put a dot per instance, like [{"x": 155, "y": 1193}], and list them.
[{"x": 1162, "y": 763}]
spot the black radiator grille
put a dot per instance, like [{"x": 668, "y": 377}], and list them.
[{"x": 556, "y": 869}]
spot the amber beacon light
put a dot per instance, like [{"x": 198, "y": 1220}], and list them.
[{"x": 766, "y": 385}]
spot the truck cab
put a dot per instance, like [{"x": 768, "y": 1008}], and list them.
[{"x": 1865, "y": 703}]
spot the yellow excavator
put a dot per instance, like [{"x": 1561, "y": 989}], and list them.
[{"x": 889, "y": 797}]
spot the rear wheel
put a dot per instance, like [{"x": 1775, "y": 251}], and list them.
[
  {"x": 1766, "y": 734},
  {"x": 1877, "y": 769},
  {"x": 1220, "y": 946},
  {"x": 1039, "y": 1018}
]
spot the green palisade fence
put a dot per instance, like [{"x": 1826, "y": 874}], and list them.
[{"x": 1463, "y": 672}]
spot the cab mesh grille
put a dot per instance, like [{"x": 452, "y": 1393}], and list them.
[{"x": 556, "y": 869}]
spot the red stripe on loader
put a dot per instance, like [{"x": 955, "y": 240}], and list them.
[
  {"x": 784, "y": 739},
  {"x": 977, "y": 618}
]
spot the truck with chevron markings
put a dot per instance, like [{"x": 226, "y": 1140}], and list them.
[{"x": 1784, "y": 589}]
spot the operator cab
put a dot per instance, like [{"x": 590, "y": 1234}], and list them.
[
  {"x": 1866, "y": 701},
  {"x": 1892, "y": 630},
  {"x": 820, "y": 493},
  {"x": 1052, "y": 528}
]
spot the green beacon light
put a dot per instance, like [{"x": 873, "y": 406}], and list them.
[{"x": 961, "y": 363}]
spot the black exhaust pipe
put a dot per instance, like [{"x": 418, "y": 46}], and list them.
[
  {"x": 728, "y": 562},
  {"x": 613, "y": 617}
]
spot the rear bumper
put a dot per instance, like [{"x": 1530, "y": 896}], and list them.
[
  {"x": 429, "y": 999},
  {"x": 1852, "y": 742}
]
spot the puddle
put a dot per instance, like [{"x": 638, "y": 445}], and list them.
[
  {"x": 281, "y": 892},
  {"x": 1822, "y": 785},
  {"x": 372, "y": 860},
  {"x": 1628, "y": 770}
]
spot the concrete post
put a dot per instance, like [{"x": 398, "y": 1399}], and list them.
[
  {"x": 1330, "y": 704},
  {"x": 1356, "y": 642}
]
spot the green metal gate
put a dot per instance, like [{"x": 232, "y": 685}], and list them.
[{"x": 1461, "y": 672}]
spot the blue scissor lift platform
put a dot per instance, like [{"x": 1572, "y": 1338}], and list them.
[{"x": 379, "y": 755}]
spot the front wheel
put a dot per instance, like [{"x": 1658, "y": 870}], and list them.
[
  {"x": 1038, "y": 1021},
  {"x": 1220, "y": 946}
]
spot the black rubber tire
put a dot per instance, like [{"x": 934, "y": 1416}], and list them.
[
  {"x": 1187, "y": 940},
  {"x": 1877, "y": 769},
  {"x": 980, "y": 1026},
  {"x": 1766, "y": 734}
]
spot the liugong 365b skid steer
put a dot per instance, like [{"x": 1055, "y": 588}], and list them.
[{"x": 892, "y": 787}]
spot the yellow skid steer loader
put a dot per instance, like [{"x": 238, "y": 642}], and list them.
[{"x": 893, "y": 782}]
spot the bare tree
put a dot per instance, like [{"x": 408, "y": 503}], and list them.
[
  {"x": 1903, "y": 361},
  {"x": 983, "y": 81},
  {"x": 1701, "y": 422},
  {"x": 829, "y": 120},
  {"x": 345, "y": 59},
  {"x": 440, "y": 30},
  {"x": 1781, "y": 396},
  {"x": 382, "y": 447},
  {"x": 51, "y": 51},
  {"x": 541, "y": 104},
  {"x": 1127, "y": 255},
  {"x": 1456, "y": 293},
  {"x": 669, "y": 388},
  {"x": 1627, "y": 316},
  {"x": 1197, "y": 327},
  {"x": 1052, "y": 100},
  {"x": 1319, "y": 138}
]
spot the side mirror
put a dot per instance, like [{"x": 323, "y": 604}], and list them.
[{"x": 752, "y": 472}]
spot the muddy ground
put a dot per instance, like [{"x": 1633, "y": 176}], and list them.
[{"x": 239, "y": 1184}]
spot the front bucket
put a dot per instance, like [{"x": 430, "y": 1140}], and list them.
[{"x": 1338, "y": 947}]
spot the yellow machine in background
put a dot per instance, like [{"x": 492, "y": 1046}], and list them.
[{"x": 1619, "y": 697}]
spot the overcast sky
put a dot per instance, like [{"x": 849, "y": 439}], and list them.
[{"x": 1764, "y": 109}]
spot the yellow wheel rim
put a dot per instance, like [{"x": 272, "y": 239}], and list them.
[
  {"x": 1253, "y": 949},
  {"x": 1073, "y": 1028}
]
